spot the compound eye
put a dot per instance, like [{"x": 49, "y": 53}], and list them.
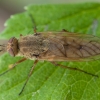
[
  {"x": 11, "y": 52},
  {"x": 12, "y": 46}
]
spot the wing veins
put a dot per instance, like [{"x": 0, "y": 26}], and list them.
[{"x": 60, "y": 51}]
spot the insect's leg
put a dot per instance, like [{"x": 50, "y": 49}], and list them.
[
  {"x": 31, "y": 71},
  {"x": 13, "y": 66},
  {"x": 21, "y": 35},
  {"x": 74, "y": 69},
  {"x": 34, "y": 24},
  {"x": 64, "y": 30}
]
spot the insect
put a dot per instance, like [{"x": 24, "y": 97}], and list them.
[{"x": 53, "y": 46}]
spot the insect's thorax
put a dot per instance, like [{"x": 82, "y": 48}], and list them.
[{"x": 32, "y": 46}]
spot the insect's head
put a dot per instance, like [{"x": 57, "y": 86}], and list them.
[{"x": 12, "y": 46}]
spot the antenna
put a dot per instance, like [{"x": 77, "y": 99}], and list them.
[{"x": 2, "y": 48}]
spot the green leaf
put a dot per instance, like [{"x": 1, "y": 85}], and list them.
[{"x": 47, "y": 81}]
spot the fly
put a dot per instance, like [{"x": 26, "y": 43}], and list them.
[{"x": 53, "y": 46}]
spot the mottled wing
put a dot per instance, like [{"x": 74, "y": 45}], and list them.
[{"x": 65, "y": 46}]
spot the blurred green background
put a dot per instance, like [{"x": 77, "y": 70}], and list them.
[{"x": 10, "y": 7}]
